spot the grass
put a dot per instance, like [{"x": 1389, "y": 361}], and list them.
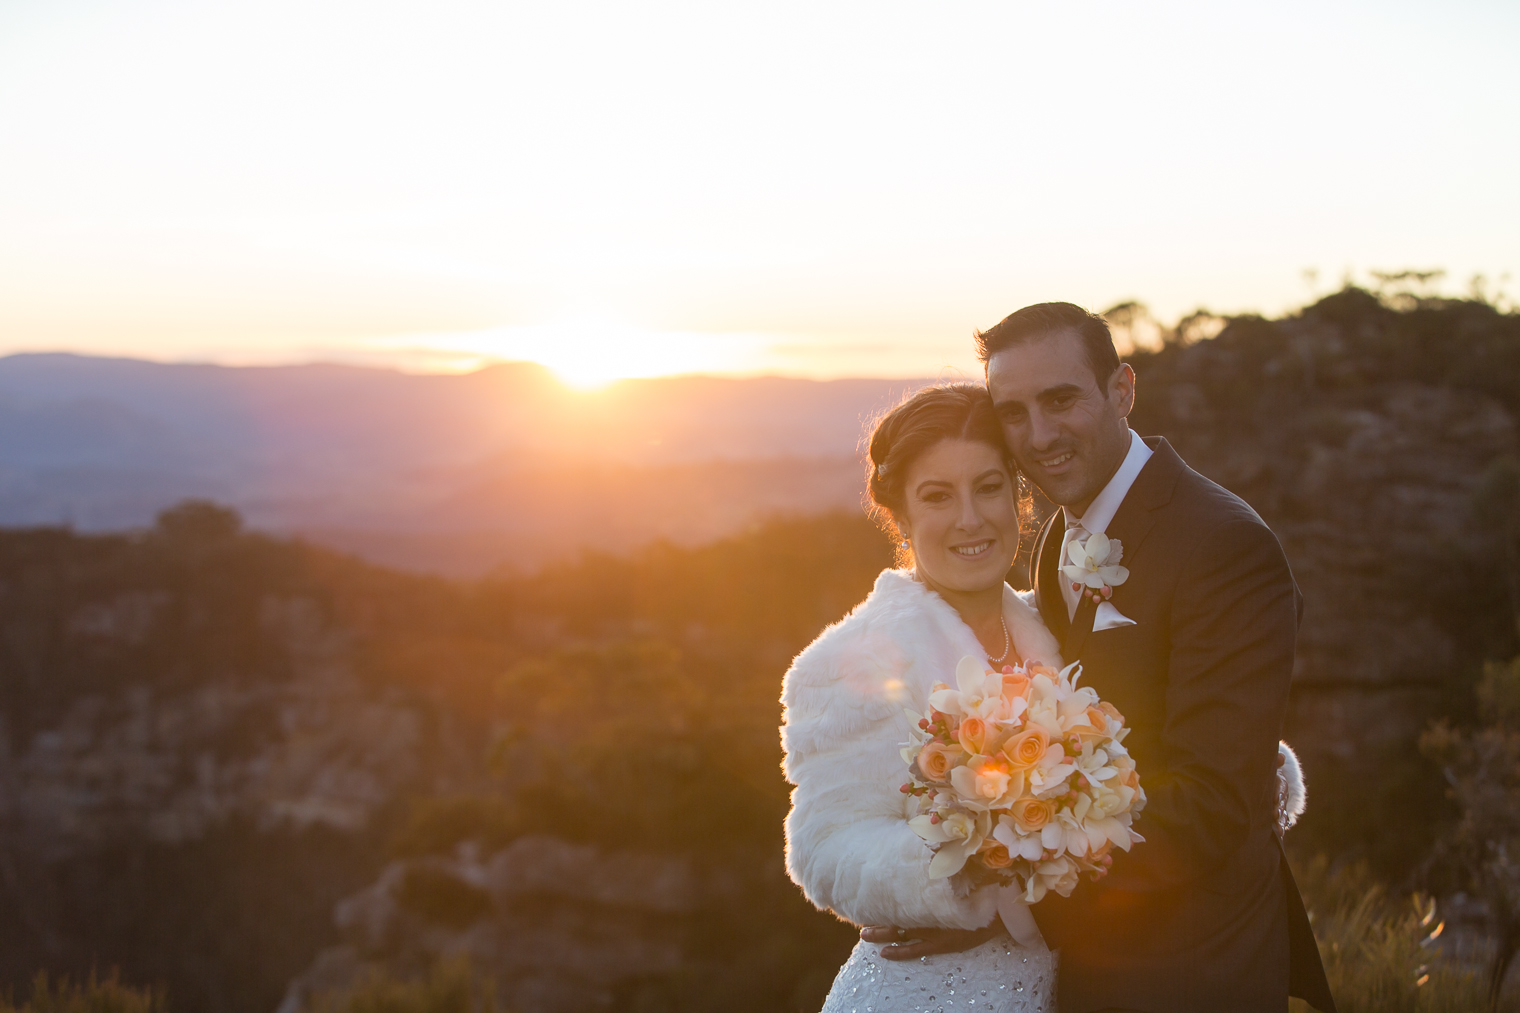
[
  {"x": 1379, "y": 952},
  {"x": 450, "y": 987},
  {"x": 90, "y": 996}
]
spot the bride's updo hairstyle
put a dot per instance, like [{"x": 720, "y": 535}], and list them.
[{"x": 954, "y": 411}]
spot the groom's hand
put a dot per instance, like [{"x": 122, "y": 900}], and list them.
[{"x": 909, "y": 944}]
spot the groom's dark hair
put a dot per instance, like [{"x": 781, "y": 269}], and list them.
[{"x": 1045, "y": 318}]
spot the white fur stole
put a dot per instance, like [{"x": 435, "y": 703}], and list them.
[{"x": 848, "y": 845}]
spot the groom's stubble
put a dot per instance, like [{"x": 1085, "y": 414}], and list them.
[{"x": 1066, "y": 427}]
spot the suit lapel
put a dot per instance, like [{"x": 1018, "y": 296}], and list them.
[
  {"x": 1047, "y": 576},
  {"x": 1132, "y": 522}
]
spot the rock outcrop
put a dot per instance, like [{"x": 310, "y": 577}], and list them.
[{"x": 560, "y": 927}]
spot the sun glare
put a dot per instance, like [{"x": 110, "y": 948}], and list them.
[{"x": 591, "y": 350}]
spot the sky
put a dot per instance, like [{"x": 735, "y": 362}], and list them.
[{"x": 816, "y": 189}]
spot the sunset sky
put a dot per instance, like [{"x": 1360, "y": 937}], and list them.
[{"x": 809, "y": 188}]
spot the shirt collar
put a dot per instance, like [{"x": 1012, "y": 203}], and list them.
[{"x": 1102, "y": 509}]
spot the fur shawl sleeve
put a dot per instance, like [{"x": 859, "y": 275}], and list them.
[{"x": 848, "y": 845}]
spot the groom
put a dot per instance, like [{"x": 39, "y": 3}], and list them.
[{"x": 1195, "y": 647}]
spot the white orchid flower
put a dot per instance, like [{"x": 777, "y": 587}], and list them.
[
  {"x": 1042, "y": 687},
  {"x": 1049, "y": 775},
  {"x": 1072, "y": 708},
  {"x": 978, "y": 691},
  {"x": 1009, "y": 711},
  {"x": 1067, "y": 834},
  {"x": 1059, "y": 875},
  {"x": 1045, "y": 706},
  {"x": 1019, "y": 844},
  {"x": 958, "y": 835},
  {"x": 1110, "y": 828},
  {"x": 1112, "y": 799},
  {"x": 916, "y": 738},
  {"x": 1094, "y": 765},
  {"x": 1095, "y": 562}
]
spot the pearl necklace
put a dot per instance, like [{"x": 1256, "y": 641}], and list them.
[{"x": 1007, "y": 644}]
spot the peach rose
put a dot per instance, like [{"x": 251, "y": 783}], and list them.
[
  {"x": 1099, "y": 720},
  {"x": 1130, "y": 778},
  {"x": 1027, "y": 748},
  {"x": 1015, "y": 686},
  {"x": 972, "y": 734},
  {"x": 1031, "y": 814},
  {"x": 994, "y": 856},
  {"x": 1111, "y": 711},
  {"x": 935, "y": 761}
]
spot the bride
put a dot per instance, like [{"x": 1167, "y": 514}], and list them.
[{"x": 943, "y": 483}]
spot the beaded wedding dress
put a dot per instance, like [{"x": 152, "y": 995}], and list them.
[{"x": 999, "y": 976}]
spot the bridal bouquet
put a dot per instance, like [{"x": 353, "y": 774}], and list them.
[{"x": 1021, "y": 776}]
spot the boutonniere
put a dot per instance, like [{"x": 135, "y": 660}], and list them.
[{"x": 1093, "y": 567}]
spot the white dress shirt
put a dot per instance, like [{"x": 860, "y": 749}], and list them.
[{"x": 1100, "y": 512}]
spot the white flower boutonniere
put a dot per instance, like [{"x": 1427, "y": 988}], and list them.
[{"x": 1093, "y": 567}]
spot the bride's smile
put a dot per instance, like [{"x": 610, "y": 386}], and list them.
[{"x": 960, "y": 518}]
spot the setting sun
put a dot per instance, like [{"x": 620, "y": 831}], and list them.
[{"x": 587, "y": 350}]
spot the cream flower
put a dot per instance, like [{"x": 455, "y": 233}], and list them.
[
  {"x": 987, "y": 782},
  {"x": 1095, "y": 562},
  {"x": 1093, "y": 764},
  {"x": 1048, "y": 777},
  {"x": 1059, "y": 876},
  {"x": 958, "y": 835},
  {"x": 1019, "y": 842},
  {"x": 978, "y": 692}
]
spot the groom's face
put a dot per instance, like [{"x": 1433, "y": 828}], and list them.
[{"x": 1066, "y": 429}]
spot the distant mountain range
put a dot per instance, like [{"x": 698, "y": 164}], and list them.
[{"x": 455, "y": 474}]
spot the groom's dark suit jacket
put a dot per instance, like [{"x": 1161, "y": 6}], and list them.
[{"x": 1203, "y": 916}]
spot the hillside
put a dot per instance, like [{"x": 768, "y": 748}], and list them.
[
  {"x": 436, "y": 473},
  {"x": 212, "y": 738}
]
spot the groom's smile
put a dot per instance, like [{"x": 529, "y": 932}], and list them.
[{"x": 1065, "y": 426}]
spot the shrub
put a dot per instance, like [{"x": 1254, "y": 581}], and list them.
[
  {"x": 92, "y": 996},
  {"x": 1378, "y": 953},
  {"x": 450, "y": 987}
]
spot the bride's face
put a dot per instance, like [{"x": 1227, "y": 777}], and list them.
[{"x": 961, "y": 516}]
